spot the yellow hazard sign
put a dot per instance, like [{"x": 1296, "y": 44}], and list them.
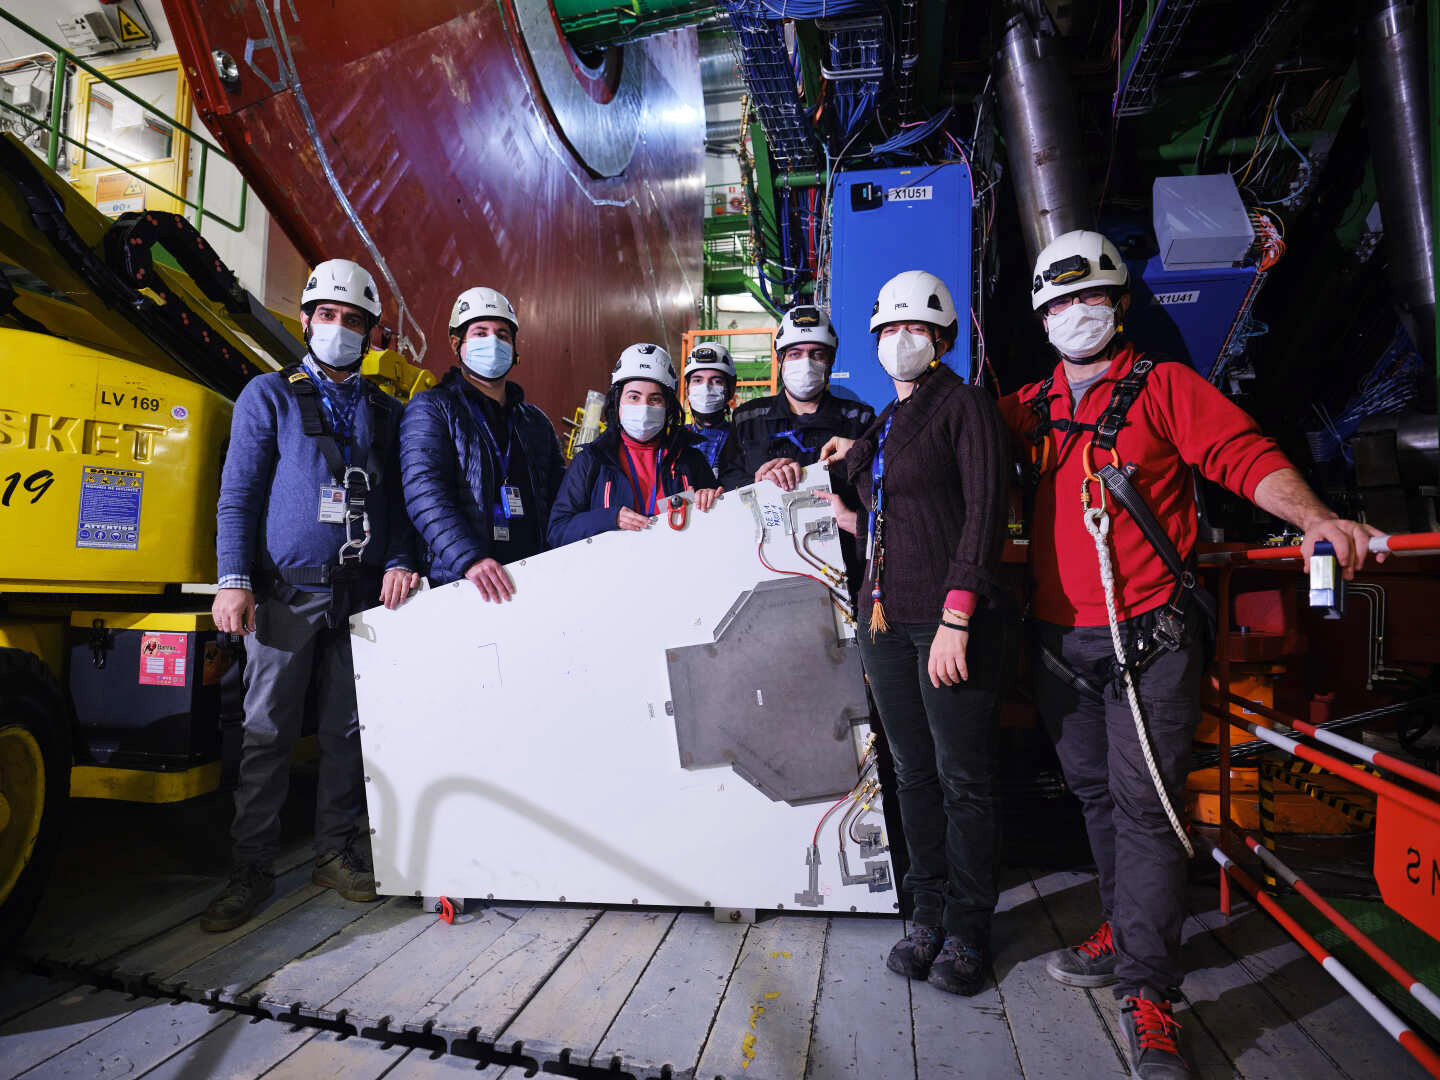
[{"x": 131, "y": 32}]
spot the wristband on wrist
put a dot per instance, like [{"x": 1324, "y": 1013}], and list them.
[{"x": 956, "y": 625}]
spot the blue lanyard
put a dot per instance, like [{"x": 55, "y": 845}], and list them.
[
  {"x": 635, "y": 476},
  {"x": 877, "y": 475},
  {"x": 502, "y": 460},
  {"x": 793, "y": 435},
  {"x": 340, "y": 409}
]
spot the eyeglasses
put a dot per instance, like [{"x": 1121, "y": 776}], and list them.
[{"x": 1094, "y": 297}]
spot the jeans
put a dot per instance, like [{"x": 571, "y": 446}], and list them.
[
  {"x": 942, "y": 742},
  {"x": 1139, "y": 861},
  {"x": 292, "y": 646}
]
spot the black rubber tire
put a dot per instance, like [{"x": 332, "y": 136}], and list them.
[{"x": 31, "y": 698}]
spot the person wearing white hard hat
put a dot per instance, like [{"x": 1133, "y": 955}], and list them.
[
  {"x": 709, "y": 388},
  {"x": 931, "y": 474},
  {"x": 1130, "y": 431},
  {"x": 316, "y": 434},
  {"x": 782, "y": 433},
  {"x": 481, "y": 465},
  {"x": 641, "y": 463}
]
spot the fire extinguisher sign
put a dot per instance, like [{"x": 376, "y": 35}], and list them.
[
  {"x": 162, "y": 659},
  {"x": 1407, "y": 863}
]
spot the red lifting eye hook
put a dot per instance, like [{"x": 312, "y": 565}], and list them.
[
  {"x": 447, "y": 910},
  {"x": 679, "y": 512}
]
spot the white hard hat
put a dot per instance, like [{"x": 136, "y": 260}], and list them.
[
  {"x": 914, "y": 296},
  {"x": 803, "y": 325},
  {"x": 710, "y": 356},
  {"x": 343, "y": 282},
  {"x": 1073, "y": 261},
  {"x": 481, "y": 302},
  {"x": 645, "y": 361}
]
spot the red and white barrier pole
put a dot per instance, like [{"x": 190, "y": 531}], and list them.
[
  {"x": 1378, "y": 1010},
  {"x": 1404, "y": 796},
  {"x": 1379, "y": 758},
  {"x": 1422, "y": 993},
  {"x": 1395, "y": 544}
]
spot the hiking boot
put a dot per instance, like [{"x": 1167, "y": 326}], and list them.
[
  {"x": 249, "y": 887},
  {"x": 1151, "y": 1032},
  {"x": 1089, "y": 964},
  {"x": 915, "y": 952},
  {"x": 348, "y": 872},
  {"x": 960, "y": 967}
]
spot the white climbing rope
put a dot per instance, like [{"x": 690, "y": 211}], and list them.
[{"x": 1097, "y": 524}]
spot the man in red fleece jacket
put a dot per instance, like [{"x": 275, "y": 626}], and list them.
[{"x": 1177, "y": 421}]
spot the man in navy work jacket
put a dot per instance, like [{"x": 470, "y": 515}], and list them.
[
  {"x": 481, "y": 465},
  {"x": 310, "y": 522},
  {"x": 781, "y": 434}
]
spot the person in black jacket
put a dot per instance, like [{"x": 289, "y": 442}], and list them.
[
  {"x": 645, "y": 455},
  {"x": 481, "y": 465},
  {"x": 709, "y": 387},
  {"x": 931, "y": 472},
  {"x": 781, "y": 434}
]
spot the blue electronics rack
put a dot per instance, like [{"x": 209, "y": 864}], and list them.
[{"x": 885, "y": 221}]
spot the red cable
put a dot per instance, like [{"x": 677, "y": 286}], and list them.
[{"x": 760, "y": 551}]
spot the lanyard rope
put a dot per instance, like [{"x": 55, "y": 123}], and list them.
[
  {"x": 653, "y": 498},
  {"x": 878, "y": 623},
  {"x": 1097, "y": 524}
]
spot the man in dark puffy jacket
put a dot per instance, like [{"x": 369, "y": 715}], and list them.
[{"x": 481, "y": 465}]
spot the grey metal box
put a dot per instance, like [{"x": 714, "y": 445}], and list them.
[{"x": 1200, "y": 222}]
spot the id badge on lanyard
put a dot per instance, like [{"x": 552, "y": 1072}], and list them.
[{"x": 332, "y": 505}]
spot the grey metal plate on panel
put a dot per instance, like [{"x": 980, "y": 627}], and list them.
[{"x": 775, "y": 704}]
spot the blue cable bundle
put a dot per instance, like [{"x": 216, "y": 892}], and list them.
[
  {"x": 1387, "y": 388},
  {"x": 910, "y": 136}
]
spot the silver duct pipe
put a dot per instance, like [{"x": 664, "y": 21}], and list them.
[
  {"x": 1042, "y": 135},
  {"x": 722, "y": 132},
  {"x": 1393, "y": 75},
  {"x": 719, "y": 73}
]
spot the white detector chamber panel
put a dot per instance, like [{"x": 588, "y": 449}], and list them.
[{"x": 654, "y": 718}]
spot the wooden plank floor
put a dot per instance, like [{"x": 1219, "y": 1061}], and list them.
[{"x": 317, "y": 987}]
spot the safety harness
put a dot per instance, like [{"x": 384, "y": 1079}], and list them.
[
  {"x": 1169, "y": 629},
  {"x": 348, "y": 579}
]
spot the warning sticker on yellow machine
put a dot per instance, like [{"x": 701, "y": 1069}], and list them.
[{"x": 109, "y": 508}]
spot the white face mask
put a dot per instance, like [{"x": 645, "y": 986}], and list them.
[
  {"x": 335, "y": 345},
  {"x": 804, "y": 377},
  {"x": 1081, "y": 330},
  {"x": 707, "y": 399},
  {"x": 488, "y": 357},
  {"x": 642, "y": 422},
  {"x": 906, "y": 355}
]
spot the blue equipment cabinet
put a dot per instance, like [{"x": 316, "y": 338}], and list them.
[
  {"x": 1185, "y": 313},
  {"x": 885, "y": 221}
]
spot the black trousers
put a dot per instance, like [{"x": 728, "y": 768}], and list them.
[
  {"x": 942, "y": 742},
  {"x": 1139, "y": 860}
]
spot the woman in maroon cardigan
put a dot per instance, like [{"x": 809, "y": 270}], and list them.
[{"x": 931, "y": 473}]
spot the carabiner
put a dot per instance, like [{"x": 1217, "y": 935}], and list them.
[
  {"x": 679, "y": 505},
  {"x": 1087, "y": 458}
]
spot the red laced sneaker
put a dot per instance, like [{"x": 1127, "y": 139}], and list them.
[
  {"x": 1151, "y": 1032},
  {"x": 1088, "y": 965}
]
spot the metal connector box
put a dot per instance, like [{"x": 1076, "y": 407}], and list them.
[{"x": 1200, "y": 222}]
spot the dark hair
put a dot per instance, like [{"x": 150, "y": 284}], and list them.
[{"x": 674, "y": 414}]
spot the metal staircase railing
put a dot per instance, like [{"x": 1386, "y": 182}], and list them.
[{"x": 64, "y": 58}]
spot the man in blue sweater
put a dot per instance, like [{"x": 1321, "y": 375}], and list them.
[
  {"x": 481, "y": 464},
  {"x": 311, "y": 521}
]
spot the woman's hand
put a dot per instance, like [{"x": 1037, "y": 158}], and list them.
[
  {"x": 783, "y": 472},
  {"x": 630, "y": 521},
  {"x": 835, "y": 449},
  {"x": 844, "y": 516},
  {"x": 705, "y": 498},
  {"x": 947, "y": 657}
]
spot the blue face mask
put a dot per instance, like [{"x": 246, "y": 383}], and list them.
[{"x": 488, "y": 357}]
